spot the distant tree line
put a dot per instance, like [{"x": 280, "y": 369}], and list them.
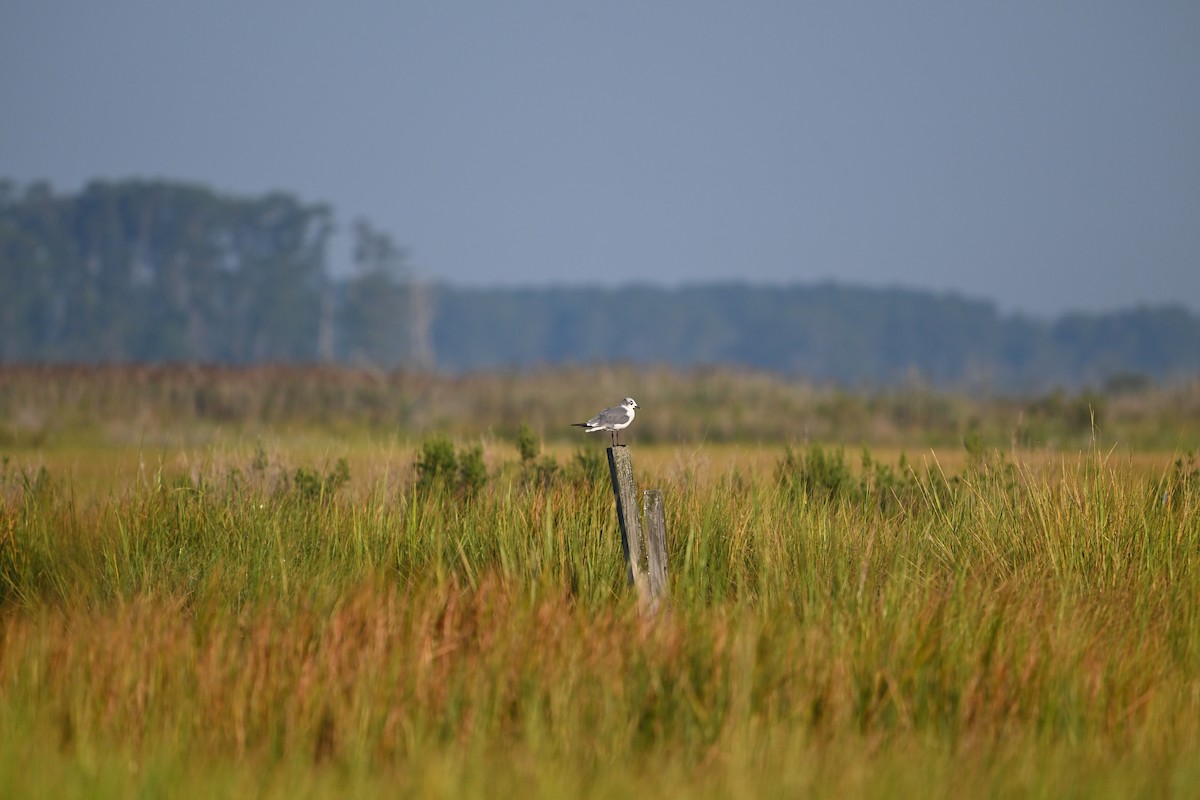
[
  {"x": 829, "y": 332},
  {"x": 155, "y": 271},
  {"x": 159, "y": 271}
]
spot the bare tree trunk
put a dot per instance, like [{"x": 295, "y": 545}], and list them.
[
  {"x": 325, "y": 323},
  {"x": 421, "y": 325}
]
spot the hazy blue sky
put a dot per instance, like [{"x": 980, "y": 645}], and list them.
[{"x": 1045, "y": 154}]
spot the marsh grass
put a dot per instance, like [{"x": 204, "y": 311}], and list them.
[
  {"x": 168, "y": 405},
  {"x": 262, "y": 622}
]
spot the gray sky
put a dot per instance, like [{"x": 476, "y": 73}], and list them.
[{"x": 1041, "y": 153}]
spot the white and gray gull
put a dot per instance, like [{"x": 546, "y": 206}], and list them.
[{"x": 614, "y": 420}]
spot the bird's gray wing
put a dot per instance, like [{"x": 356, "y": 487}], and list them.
[{"x": 610, "y": 416}]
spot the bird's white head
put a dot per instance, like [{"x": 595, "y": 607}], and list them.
[{"x": 630, "y": 403}]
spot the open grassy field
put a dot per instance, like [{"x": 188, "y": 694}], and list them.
[{"x": 287, "y": 583}]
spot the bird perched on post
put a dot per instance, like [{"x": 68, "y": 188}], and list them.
[{"x": 614, "y": 420}]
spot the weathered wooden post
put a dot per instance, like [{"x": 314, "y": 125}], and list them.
[
  {"x": 649, "y": 577},
  {"x": 656, "y": 545}
]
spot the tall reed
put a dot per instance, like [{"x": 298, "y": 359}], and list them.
[{"x": 1017, "y": 627}]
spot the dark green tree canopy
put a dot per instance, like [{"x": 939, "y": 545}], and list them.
[{"x": 166, "y": 271}]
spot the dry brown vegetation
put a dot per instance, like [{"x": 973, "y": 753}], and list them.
[
  {"x": 40, "y": 403},
  {"x": 280, "y": 600}
]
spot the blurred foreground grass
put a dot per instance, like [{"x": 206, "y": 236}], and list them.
[{"x": 289, "y": 607}]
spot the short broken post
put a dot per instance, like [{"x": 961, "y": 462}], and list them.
[
  {"x": 656, "y": 545},
  {"x": 649, "y": 576}
]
